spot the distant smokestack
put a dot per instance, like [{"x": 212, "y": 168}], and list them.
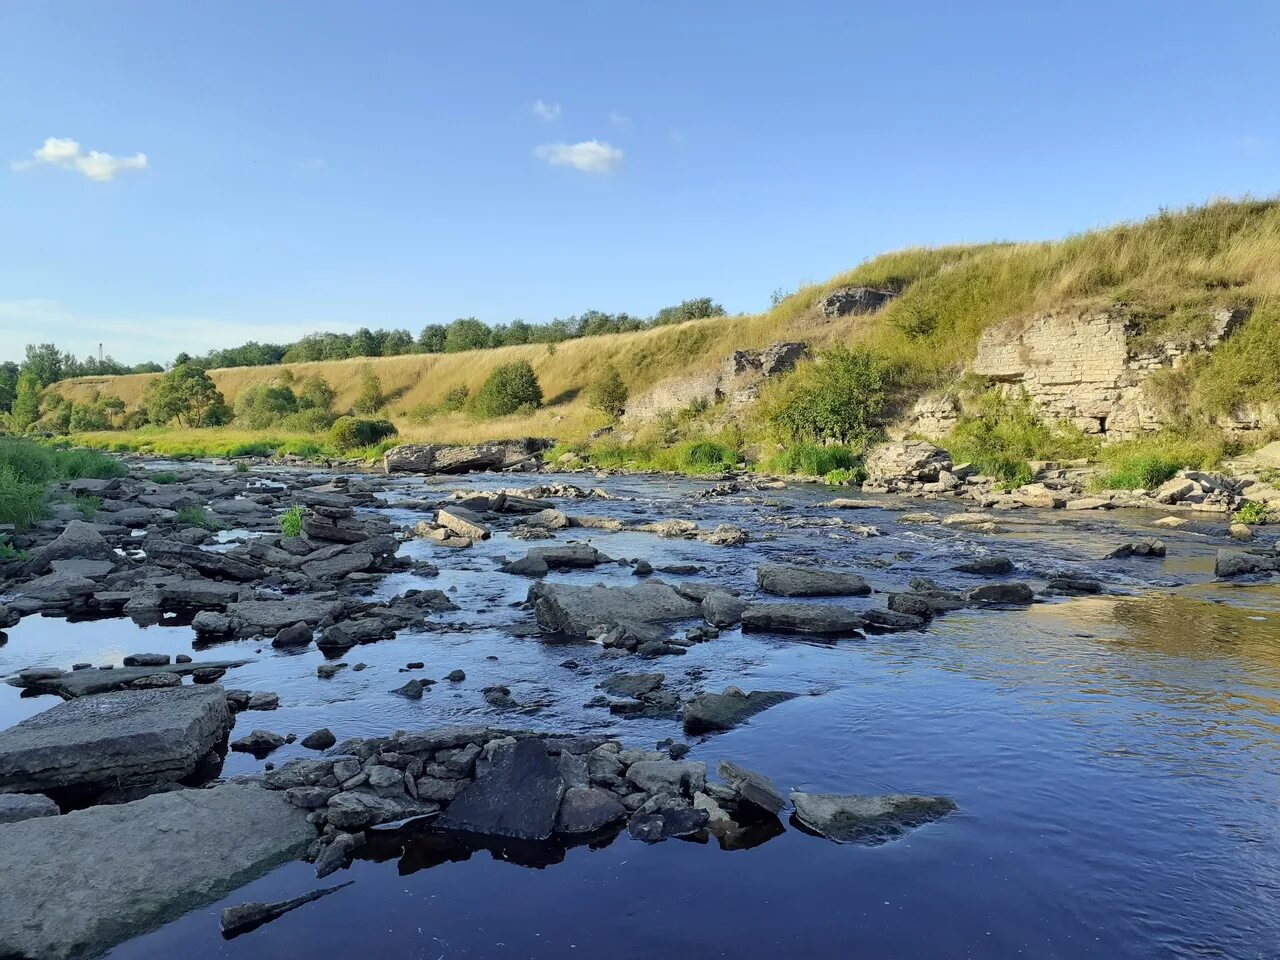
[{"x": 99, "y": 353}]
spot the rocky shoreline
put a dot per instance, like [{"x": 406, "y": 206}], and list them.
[{"x": 144, "y": 741}]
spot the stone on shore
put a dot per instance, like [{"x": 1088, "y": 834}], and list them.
[
  {"x": 129, "y": 738},
  {"x": 866, "y": 819},
  {"x": 787, "y": 581},
  {"x": 122, "y": 870}
]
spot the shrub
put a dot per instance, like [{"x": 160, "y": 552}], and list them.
[
  {"x": 1252, "y": 512},
  {"x": 309, "y": 420},
  {"x": 26, "y": 403},
  {"x": 842, "y": 477},
  {"x": 607, "y": 393},
  {"x": 164, "y": 478},
  {"x": 291, "y": 520},
  {"x": 510, "y": 388},
  {"x": 350, "y": 433},
  {"x": 9, "y": 552},
  {"x": 841, "y": 397},
  {"x": 196, "y": 517},
  {"x": 22, "y": 500},
  {"x": 314, "y": 393},
  {"x": 264, "y": 405},
  {"x": 371, "y": 398},
  {"x": 455, "y": 398},
  {"x": 1005, "y": 432}
]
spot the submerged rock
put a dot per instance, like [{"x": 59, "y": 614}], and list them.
[
  {"x": 249, "y": 916},
  {"x": 866, "y": 819},
  {"x": 711, "y": 712},
  {"x": 808, "y": 618}
]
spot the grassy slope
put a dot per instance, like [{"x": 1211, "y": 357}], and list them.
[{"x": 1174, "y": 269}]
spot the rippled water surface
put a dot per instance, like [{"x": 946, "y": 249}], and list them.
[{"x": 1116, "y": 760}]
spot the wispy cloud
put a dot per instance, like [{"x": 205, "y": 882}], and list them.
[
  {"x": 136, "y": 338},
  {"x": 619, "y": 120},
  {"x": 590, "y": 156},
  {"x": 546, "y": 111},
  {"x": 67, "y": 153}
]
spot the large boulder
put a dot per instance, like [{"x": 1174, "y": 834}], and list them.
[
  {"x": 869, "y": 820},
  {"x": 1244, "y": 563},
  {"x": 805, "y": 618},
  {"x": 124, "y": 739},
  {"x": 785, "y": 581},
  {"x": 121, "y": 870},
  {"x": 517, "y": 795},
  {"x": 906, "y": 462},
  {"x": 578, "y": 610},
  {"x": 78, "y": 541}
]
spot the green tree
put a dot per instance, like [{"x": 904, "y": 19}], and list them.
[
  {"x": 466, "y": 333},
  {"x": 264, "y": 405},
  {"x": 371, "y": 397},
  {"x": 510, "y": 388},
  {"x": 314, "y": 393},
  {"x": 9, "y": 373},
  {"x": 432, "y": 338},
  {"x": 696, "y": 309},
  {"x": 607, "y": 392},
  {"x": 26, "y": 403},
  {"x": 840, "y": 397},
  {"x": 187, "y": 395},
  {"x": 46, "y": 362}
]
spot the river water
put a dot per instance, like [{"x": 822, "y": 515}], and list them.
[{"x": 1115, "y": 760}]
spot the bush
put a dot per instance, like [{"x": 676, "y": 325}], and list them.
[
  {"x": 314, "y": 393},
  {"x": 841, "y": 397},
  {"x": 371, "y": 398},
  {"x": 842, "y": 477},
  {"x": 310, "y": 420},
  {"x": 607, "y": 393},
  {"x": 264, "y": 405},
  {"x": 455, "y": 398},
  {"x": 510, "y": 388},
  {"x": 1004, "y": 433},
  {"x": 350, "y": 433}
]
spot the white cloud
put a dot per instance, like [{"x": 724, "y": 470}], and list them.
[
  {"x": 546, "y": 111},
  {"x": 590, "y": 156},
  {"x": 67, "y": 153},
  {"x": 138, "y": 338}
]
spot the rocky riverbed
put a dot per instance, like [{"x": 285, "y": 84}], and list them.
[{"x": 908, "y": 723}]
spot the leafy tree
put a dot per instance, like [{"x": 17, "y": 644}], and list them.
[
  {"x": 840, "y": 397},
  {"x": 314, "y": 393},
  {"x": 607, "y": 392},
  {"x": 466, "y": 333},
  {"x": 45, "y": 362},
  {"x": 9, "y": 373},
  {"x": 26, "y": 402},
  {"x": 510, "y": 388},
  {"x": 371, "y": 397},
  {"x": 185, "y": 394},
  {"x": 432, "y": 338},
  {"x": 695, "y": 309}
]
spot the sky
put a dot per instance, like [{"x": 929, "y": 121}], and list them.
[{"x": 183, "y": 176}]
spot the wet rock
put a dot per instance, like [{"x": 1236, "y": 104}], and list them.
[
  {"x": 1146, "y": 547},
  {"x": 576, "y": 610},
  {"x": 568, "y": 556},
  {"x": 500, "y": 696},
  {"x": 1010, "y": 593},
  {"x": 155, "y": 681},
  {"x": 337, "y": 567},
  {"x": 123, "y": 739},
  {"x": 1074, "y": 586},
  {"x": 211, "y": 623},
  {"x": 131, "y": 867},
  {"x": 463, "y": 522},
  {"x": 321, "y": 739},
  {"x": 326, "y": 671},
  {"x": 987, "y": 566},
  {"x": 667, "y": 822},
  {"x": 725, "y": 535},
  {"x": 1244, "y": 563},
  {"x": 643, "y": 568},
  {"x": 633, "y": 685},
  {"x": 56, "y": 589},
  {"x": 517, "y": 795},
  {"x": 78, "y": 541},
  {"x": 297, "y": 635},
  {"x": 24, "y": 806},
  {"x": 249, "y": 916},
  {"x": 711, "y": 712},
  {"x": 455, "y": 676},
  {"x": 147, "y": 660},
  {"x": 412, "y": 690},
  {"x": 788, "y": 581},
  {"x": 336, "y": 855},
  {"x": 86, "y": 681},
  {"x": 863, "y": 819},
  {"x": 258, "y": 742},
  {"x": 587, "y": 810},
  {"x": 269, "y": 617},
  {"x": 805, "y": 618},
  {"x": 677, "y": 778},
  {"x": 752, "y": 787},
  {"x": 889, "y": 621},
  {"x": 526, "y": 566},
  {"x": 262, "y": 700},
  {"x": 721, "y": 608}
]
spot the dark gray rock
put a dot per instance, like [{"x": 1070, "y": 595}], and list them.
[
  {"x": 587, "y": 810},
  {"x": 888, "y": 621},
  {"x": 517, "y": 795},
  {"x": 752, "y": 787},
  {"x": 667, "y": 822},
  {"x": 78, "y": 541},
  {"x": 721, "y": 608},
  {"x": 712, "y": 712},
  {"x": 129, "y": 868},
  {"x": 786, "y": 581},
  {"x": 1006, "y": 593},
  {"x": 1146, "y": 547},
  {"x": 147, "y": 660},
  {"x": 987, "y": 566},
  {"x": 24, "y": 806},
  {"x": 321, "y": 739},
  {"x": 632, "y": 684},
  {"x": 1244, "y": 563},
  {"x": 297, "y": 635},
  {"x": 123, "y": 739},
  {"x": 869, "y": 820},
  {"x": 805, "y": 618},
  {"x": 258, "y": 742},
  {"x": 249, "y": 916}
]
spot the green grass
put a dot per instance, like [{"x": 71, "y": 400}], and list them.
[
  {"x": 1150, "y": 461},
  {"x": 196, "y": 517},
  {"x": 291, "y": 520},
  {"x": 163, "y": 477},
  {"x": 812, "y": 459},
  {"x": 998, "y": 435},
  {"x": 9, "y": 552},
  {"x": 27, "y": 468},
  {"x": 1252, "y": 512},
  {"x": 88, "y": 506}
]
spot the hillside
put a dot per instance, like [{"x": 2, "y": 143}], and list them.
[{"x": 1171, "y": 273}]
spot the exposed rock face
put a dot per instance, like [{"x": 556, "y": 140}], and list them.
[
  {"x": 853, "y": 300},
  {"x": 906, "y": 462},
  {"x": 1082, "y": 366},
  {"x": 444, "y": 458},
  {"x": 122, "y": 870},
  {"x": 123, "y": 739},
  {"x": 738, "y": 381}
]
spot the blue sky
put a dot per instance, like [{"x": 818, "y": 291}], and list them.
[{"x": 322, "y": 165}]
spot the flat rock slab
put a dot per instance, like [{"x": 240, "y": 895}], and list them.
[
  {"x": 868, "y": 820},
  {"x": 517, "y": 796},
  {"x": 712, "y": 712},
  {"x": 272, "y": 616},
  {"x": 785, "y": 581},
  {"x": 120, "y": 871},
  {"x": 123, "y": 739},
  {"x": 575, "y": 610},
  {"x": 82, "y": 683},
  {"x": 807, "y": 618}
]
